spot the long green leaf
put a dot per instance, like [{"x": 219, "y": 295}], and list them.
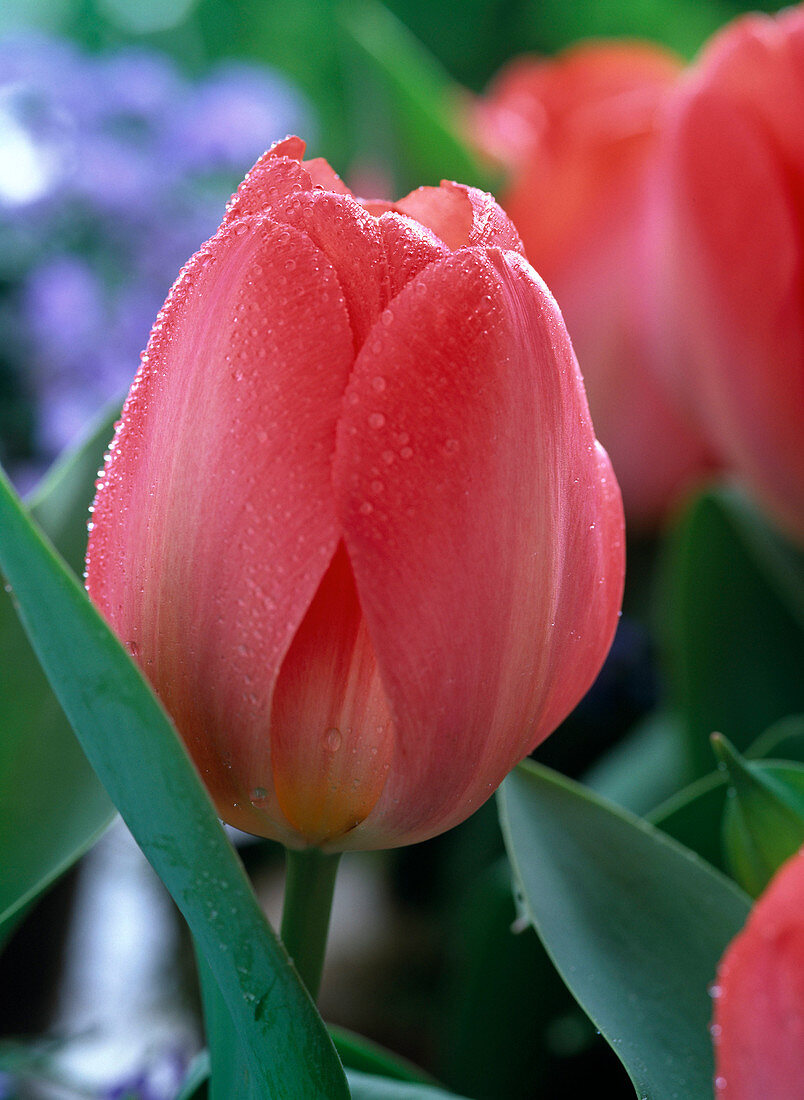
[
  {"x": 52, "y": 806},
  {"x": 367, "y": 1087},
  {"x": 635, "y": 924},
  {"x": 134, "y": 750},
  {"x": 425, "y": 103},
  {"x": 365, "y": 1056}
]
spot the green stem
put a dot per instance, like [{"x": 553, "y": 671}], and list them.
[{"x": 309, "y": 886}]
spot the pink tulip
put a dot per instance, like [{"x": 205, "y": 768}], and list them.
[
  {"x": 730, "y": 192},
  {"x": 354, "y": 525},
  {"x": 577, "y": 134},
  {"x": 759, "y": 997}
]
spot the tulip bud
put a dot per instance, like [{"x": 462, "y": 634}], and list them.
[
  {"x": 577, "y": 135},
  {"x": 730, "y": 254},
  {"x": 758, "y": 1026},
  {"x": 354, "y": 524}
]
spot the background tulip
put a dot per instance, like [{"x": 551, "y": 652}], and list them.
[
  {"x": 759, "y": 997},
  {"x": 577, "y": 134},
  {"x": 730, "y": 197},
  {"x": 354, "y": 524}
]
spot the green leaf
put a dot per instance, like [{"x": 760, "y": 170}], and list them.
[
  {"x": 228, "y": 1056},
  {"x": 635, "y": 924},
  {"x": 52, "y": 806},
  {"x": 735, "y": 640},
  {"x": 366, "y": 1087},
  {"x": 134, "y": 750},
  {"x": 645, "y": 767},
  {"x": 784, "y": 740},
  {"x": 426, "y": 106},
  {"x": 693, "y": 817},
  {"x": 763, "y": 823},
  {"x": 358, "y": 1053}
]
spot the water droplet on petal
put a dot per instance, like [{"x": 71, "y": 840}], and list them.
[
  {"x": 333, "y": 739},
  {"x": 376, "y": 420}
]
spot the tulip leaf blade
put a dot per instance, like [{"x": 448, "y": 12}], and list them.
[
  {"x": 635, "y": 924},
  {"x": 365, "y": 1056},
  {"x": 42, "y": 764},
  {"x": 424, "y": 102},
  {"x": 149, "y": 776},
  {"x": 733, "y": 599},
  {"x": 365, "y": 1086},
  {"x": 693, "y": 817}
]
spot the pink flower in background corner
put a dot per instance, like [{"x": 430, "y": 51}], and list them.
[
  {"x": 355, "y": 525},
  {"x": 729, "y": 196},
  {"x": 577, "y": 134},
  {"x": 758, "y": 1026}
]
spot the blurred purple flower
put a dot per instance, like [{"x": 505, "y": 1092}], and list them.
[
  {"x": 113, "y": 170},
  {"x": 160, "y": 1080}
]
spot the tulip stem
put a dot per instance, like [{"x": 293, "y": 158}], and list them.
[{"x": 309, "y": 886}]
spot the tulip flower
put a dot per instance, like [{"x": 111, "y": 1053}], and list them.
[
  {"x": 758, "y": 1026},
  {"x": 730, "y": 254},
  {"x": 577, "y": 135},
  {"x": 354, "y": 525}
]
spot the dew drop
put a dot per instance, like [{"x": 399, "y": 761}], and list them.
[
  {"x": 388, "y": 457},
  {"x": 378, "y": 383},
  {"x": 377, "y": 486},
  {"x": 452, "y": 446},
  {"x": 366, "y": 508},
  {"x": 333, "y": 739},
  {"x": 376, "y": 420},
  {"x": 133, "y": 649},
  {"x": 387, "y": 317},
  {"x": 257, "y": 794},
  {"x": 406, "y": 452}
]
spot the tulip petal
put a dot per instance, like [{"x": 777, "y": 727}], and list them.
[
  {"x": 735, "y": 273},
  {"x": 409, "y": 248},
  {"x": 331, "y": 732},
  {"x": 461, "y": 216},
  {"x": 214, "y": 520},
  {"x": 276, "y": 174},
  {"x": 484, "y": 529},
  {"x": 322, "y": 174},
  {"x": 759, "y": 997},
  {"x": 351, "y": 240}
]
